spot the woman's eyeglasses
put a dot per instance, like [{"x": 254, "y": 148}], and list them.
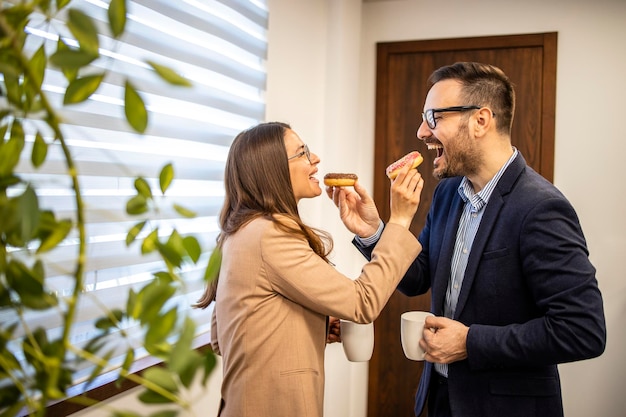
[{"x": 304, "y": 152}]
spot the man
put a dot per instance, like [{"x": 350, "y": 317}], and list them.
[{"x": 513, "y": 291}]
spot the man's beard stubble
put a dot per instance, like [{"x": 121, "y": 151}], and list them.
[{"x": 462, "y": 157}]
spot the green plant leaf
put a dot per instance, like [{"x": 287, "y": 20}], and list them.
[
  {"x": 149, "y": 244},
  {"x": 18, "y": 216},
  {"x": 143, "y": 188},
  {"x": 129, "y": 359},
  {"x": 40, "y": 151},
  {"x": 11, "y": 150},
  {"x": 137, "y": 205},
  {"x": 164, "y": 413},
  {"x": 133, "y": 305},
  {"x": 5, "y": 296},
  {"x": 28, "y": 209},
  {"x": 9, "y": 396},
  {"x": 62, "y": 3},
  {"x": 9, "y": 65},
  {"x": 182, "y": 346},
  {"x": 32, "y": 81},
  {"x": 3, "y": 129},
  {"x": 44, "y": 5},
  {"x": 183, "y": 359},
  {"x": 151, "y": 397},
  {"x": 9, "y": 361},
  {"x": 170, "y": 252},
  {"x": 60, "y": 232},
  {"x": 84, "y": 30},
  {"x": 162, "y": 378},
  {"x": 159, "y": 328},
  {"x": 111, "y": 320},
  {"x": 151, "y": 299},
  {"x": 117, "y": 17},
  {"x": 70, "y": 73},
  {"x": 47, "y": 225},
  {"x": 169, "y": 75},
  {"x": 192, "y": 247},
  {"x": 96, "y": 344},
  {"x": 135, "y": 109},
  {"x": 118, "y": 413},
  {"x": 134, "y": 232},
  {"x": 29, "y": 286},
  {"x": 71, "y": 59},
  {"x": 165, "y": 177},
  {"x": 38, "y": 68},
  {"x": 213, "y": 268},
  {"x": 184, "y": 212},
  {"x": 209, "y": 364},
  {"x": 13, "y": 89},
  {"x": 38, "y": 342},
  {"x": 80, "y": 89},
  {"x": 165, "y": 277}
]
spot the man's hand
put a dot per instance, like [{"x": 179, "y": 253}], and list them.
[{"x": 444, "y": 340}]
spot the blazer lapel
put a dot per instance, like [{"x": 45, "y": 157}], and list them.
[
  {"x": 442, "y": 271},
  {"x": 480, "y": 240}
]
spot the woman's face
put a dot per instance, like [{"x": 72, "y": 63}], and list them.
[{"x": 302, "y": 169}]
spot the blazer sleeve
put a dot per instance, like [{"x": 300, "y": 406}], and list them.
[
  {"x": 302, "y": 276},
  {"x": 416, "y": 280},
  {"x": 568, "y": 322}
]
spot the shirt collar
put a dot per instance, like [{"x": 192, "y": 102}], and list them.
[{"x": 480, "y": 199}]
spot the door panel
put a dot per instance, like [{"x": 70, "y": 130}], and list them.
[{"x": 402, "y": 72}]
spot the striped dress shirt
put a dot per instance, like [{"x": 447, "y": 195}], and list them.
[{"x": 473, "y": 210}]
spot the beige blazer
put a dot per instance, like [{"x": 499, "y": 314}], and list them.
[{"x": 272, "y": 303}]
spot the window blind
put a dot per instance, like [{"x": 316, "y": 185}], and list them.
[{"x": 220, "y": 46}]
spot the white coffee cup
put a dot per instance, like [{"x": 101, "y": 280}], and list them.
[
  {"x": 411, "y": 331},
  {"x": 357, "y": 340}
]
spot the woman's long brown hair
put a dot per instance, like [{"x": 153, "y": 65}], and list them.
[{"x": 258, "y": 184}]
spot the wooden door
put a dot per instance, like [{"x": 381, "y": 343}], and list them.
[{"x": 402, "y": 71}]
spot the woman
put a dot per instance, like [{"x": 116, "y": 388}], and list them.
[{"x": 276, "y": 286}]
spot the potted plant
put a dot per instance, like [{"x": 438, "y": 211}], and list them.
[{"x": 27, "y": 231}]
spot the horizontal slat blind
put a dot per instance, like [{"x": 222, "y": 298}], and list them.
[{"x": 220, "y": 46}]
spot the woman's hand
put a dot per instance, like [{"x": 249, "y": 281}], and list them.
[
  {"x": 356, "y": 209},
  {"x": 405, "y": 196},
  {"x": 334, "y": 330}
]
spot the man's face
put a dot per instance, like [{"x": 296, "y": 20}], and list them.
[{"x": 457, "y": 153}]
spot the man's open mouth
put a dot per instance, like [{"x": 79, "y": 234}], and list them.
[{"x": 436, "y": 146}]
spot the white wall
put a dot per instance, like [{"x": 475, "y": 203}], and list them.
[{"x": 321, "y": 79}]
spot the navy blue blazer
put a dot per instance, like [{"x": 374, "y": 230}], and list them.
[{"x": 529, "y": 296}]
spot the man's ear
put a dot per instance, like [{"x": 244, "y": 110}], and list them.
[{"x": 484, "y": 121}]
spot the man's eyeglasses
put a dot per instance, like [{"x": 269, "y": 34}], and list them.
[
  {"x": 429, "y": 115},
  {"x": 304, "y": 152}
]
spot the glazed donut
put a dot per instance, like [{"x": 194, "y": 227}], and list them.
[
  {"x": 334, "y": 179},
  {"x": 414, "y": 158}
]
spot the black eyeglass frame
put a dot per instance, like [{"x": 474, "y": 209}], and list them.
[
  {"x": 429, "y": 115},
  {"x": 304, "y": 152}
]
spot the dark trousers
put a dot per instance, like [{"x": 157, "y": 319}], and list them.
[{"x": 438, "y": 398}]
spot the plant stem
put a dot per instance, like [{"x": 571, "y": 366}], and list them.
[{"x": 132, "y": 377}]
